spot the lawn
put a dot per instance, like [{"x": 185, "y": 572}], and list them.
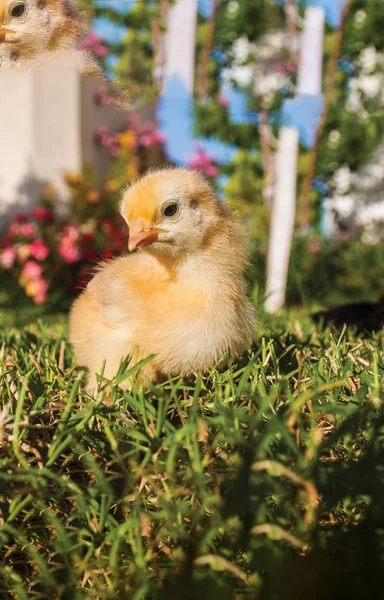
[{"x": 262, "y": 482}]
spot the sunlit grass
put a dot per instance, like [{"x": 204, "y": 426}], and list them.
[{"x": 257, "y": 482}]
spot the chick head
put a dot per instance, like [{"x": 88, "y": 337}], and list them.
[
  {"x": 28, "y": 27},
  {"x": 170, "y": 211}
]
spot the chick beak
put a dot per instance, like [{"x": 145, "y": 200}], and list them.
[
  {"x": 3, "y": 33},
  {"x": 142, "y": 237}
]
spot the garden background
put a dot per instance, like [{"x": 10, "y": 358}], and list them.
[
  {"x": 261, "y": 482},
  {"x": 246, "y": 64}
]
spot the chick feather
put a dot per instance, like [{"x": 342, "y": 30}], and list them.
[{"x": 180, "y": 295}]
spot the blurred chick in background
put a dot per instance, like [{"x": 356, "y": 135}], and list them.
[
  {"x": 180, "y": 295},
  {"x": 33, "y": 32},
  {"x": 31, "y": 27}
]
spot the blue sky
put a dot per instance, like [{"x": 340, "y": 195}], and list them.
[
  {"x": 333, "y": 9},
  {"x": 175, "y": 107}
]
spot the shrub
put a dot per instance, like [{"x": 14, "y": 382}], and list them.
[
  {"x": 326, "y": 272},
  {"x": 50, "y": 259}
]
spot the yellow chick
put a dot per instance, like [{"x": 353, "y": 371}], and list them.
[
  {"x": 31, "y": 27},
  {"x": 180, "y": 294}
]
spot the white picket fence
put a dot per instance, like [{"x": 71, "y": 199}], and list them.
[{"x": 50, "y": 118}]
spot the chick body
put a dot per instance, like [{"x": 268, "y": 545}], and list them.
[{"x": 184, "y": 302}]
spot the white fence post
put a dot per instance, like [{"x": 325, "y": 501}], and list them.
[
  {"x": 284, "y": 204},
  {"x": 53, "y": 134},
  {"x": 180, "y": 43},
  {"x": 282, "y": 218},
  {"x": 311, "y": 53}
]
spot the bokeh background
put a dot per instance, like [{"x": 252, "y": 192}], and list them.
[
  {"x": 212, "y": 84},
  {"x": 262, "y": 481}
]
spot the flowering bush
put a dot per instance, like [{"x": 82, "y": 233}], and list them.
[
  {"x": 51, "y": 259},
  {"x": 136, "y": 148}
]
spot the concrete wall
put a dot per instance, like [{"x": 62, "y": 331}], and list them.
[
  {"x": 92, "y": 116},
  {"x": 49, "y": 120},
  {"x": 56, "y": 123},
  {"x": 16, "y": 141}
]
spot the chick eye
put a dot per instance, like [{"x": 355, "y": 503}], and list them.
[
  {"x": 18, "y": 10},
  {"x": 171, "y": 209}
]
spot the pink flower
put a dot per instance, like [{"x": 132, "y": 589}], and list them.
[
  {"x": 285, "y": 69},
  {"x": 101, "y": 51},
  {"x": 8, "y": 257},
  {"x": 95, "y": 44},
  {"x": 101, "y": 130},
  {"x": 150, "y": 139},
  {"x": 134, "y": 122},
  {"x": 211, "y": 171},
  {"x": 148, "y": 127},
  {"x": 32, "y": 270},
  {"x": 26, "y": 229},
  {"x": 69, "y": 250},
  {"x": 36, "y": 289},
  {"x": 14, "y": 229},
  {"x": 223, "y": 101},
  {"x": 43, "y": 214},
  {"x": 39, "y": 250},
  {"x": 71, "y": 231},
  {"x": 41, "y": 293},
  {"x": 203, "y": 162},
  {"x": 102, "y": 98}
]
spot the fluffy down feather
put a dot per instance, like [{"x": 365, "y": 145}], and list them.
[{"x": 181, "y": 293}]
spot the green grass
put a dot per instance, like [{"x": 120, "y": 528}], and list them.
[{"x": 263, "y": 482}]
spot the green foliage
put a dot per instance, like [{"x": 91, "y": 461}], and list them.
[
  {"x": 213, "y": 120},
  {"x": 325, "y": 273},
  {"x": 358, "y": 36},
  {"x": 234, "y": 20},
  {"x": 244, "y": 191},
  {"x": 264, "y": 481},
  {"x": 136, "y": 63},
  {"x": 246, "y": 18},
  {"x": 360, "y": 132},
  {"x": 136, "y": 52}
]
